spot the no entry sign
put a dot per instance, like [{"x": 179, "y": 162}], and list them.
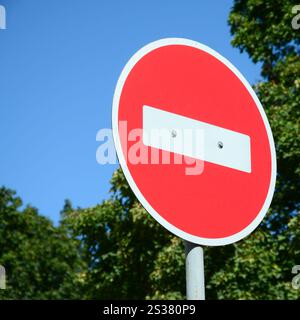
[{"x": 209, "y": 175}]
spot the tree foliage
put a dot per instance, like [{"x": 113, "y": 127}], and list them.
[
  {"x": 125, "y": 248},
  {"x": 41, "y": 260},
  {"x": 131, "y": 256}
]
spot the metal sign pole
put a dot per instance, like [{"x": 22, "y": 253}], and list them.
[{"x": 194, "y": 265}]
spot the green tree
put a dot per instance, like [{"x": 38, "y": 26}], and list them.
[
  {"x": 131, "y": 256},
  {"x": 41, "y": 261},
  {"x": 124, "y": 248}
]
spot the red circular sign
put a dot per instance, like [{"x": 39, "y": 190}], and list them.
[{"x": 179, "y": 82}]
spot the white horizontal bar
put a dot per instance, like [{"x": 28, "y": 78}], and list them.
[{"x": 196, "y": 139}]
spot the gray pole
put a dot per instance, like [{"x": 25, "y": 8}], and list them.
[{"x": 194, "y": 266}]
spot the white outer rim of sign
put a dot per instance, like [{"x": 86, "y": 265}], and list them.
[{"x": 178, "y": 232}]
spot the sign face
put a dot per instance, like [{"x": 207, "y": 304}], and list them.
[{"x": 194, "y": 142}]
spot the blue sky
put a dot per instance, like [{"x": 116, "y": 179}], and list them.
[{"x": 59, "y": 64}]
